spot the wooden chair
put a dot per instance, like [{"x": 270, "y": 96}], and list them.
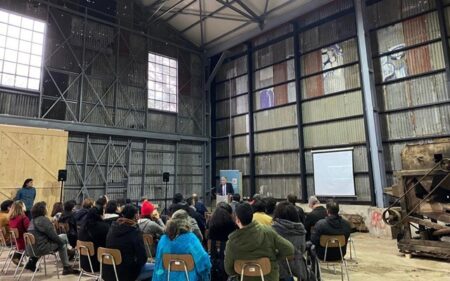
[
  {"x": 178, "y": 263},
  {"x": 111, "y": 257},
  {"x": 86, "y": 249},
  {"x": 335, "y": 241},
  {"x": 148, "y": 243},
  {"x": 253, "y": 268},
  {"x": 30, "y": 242}
]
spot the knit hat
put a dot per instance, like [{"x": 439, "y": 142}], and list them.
[{"x": 147, "y": 209}]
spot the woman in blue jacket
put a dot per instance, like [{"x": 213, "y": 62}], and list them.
[
  {"x": 27, "y": 194},
  {"x": 180, "y": 240}
]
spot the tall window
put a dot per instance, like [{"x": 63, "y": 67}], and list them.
[
  {"x": 162, "y": 83},
  {"x": 21, "y": 47}
]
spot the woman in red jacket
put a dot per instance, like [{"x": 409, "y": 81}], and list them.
[{"x": 19, "y": 220}]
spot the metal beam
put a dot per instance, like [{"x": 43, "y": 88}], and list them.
[
  {"x": 180, "y": 11},
  {"x": 94, "y": 129},
  {"x": 298, "y": 89},
  {"x": 250, "y": 117},
  {"x": 165, "y": 12},
  {"x": 204, "y": 18},
  {"x": 213, "y": 74},
  {"x": 219, "y": 47},
  {"x": 372, "y": 123},
  {"x": 252, "y": 17},
  {"x": 188, "y": 13}
]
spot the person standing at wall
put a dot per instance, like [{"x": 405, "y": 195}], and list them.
[{"x": 27, "y": 194}]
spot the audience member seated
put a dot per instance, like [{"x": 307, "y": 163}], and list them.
[
  {"x": 180, "y": 240},
  {"x": 101, "y": 201},
  {"x": 259, "y": 209},
  {"x": 181, "y": 205},
  {"x": 18, "y": 219},
  {"x": 318, "y": 212},
  {"x": 286, "y": 223},
  {"x": 235, "y": 199},
  {"x": 111, "y": 212},
  {"x": 124, "y": 235},
  {"x": 46, "y": 240},
  {"x": 150, "y": 221},
  {"x": 67, "y": 217},
  {"x": 183, "y": 214},
  {"x": 333, "y": 224},
  {"x": 177, "y": 203},
  {"x": 81, "y": 214},
  {"x": 57, "y": 211},
  {"x": 255, "y": 197},
  {"x": 292, "y": 198},
  {"x": 271, "y": 203},
  {"x": 221, "y": 225},
  {"x": 253, "y": 241},
  {"x": 4, "y": 220},
  {"x": 199, "y": 206},
  {"x": 94, "y": 230}
]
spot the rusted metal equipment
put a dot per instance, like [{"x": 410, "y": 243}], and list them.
[{"x": 422, "y": 205}]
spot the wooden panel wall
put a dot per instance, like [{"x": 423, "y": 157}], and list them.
[{"x": 32, "y": 153}]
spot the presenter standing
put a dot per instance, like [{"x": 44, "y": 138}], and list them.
[{"x": 225, "y": 187}]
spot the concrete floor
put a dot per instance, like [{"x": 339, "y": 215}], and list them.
[{"x": 377, "y": 260}]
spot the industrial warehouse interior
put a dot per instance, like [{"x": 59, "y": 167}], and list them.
[{"x": 225, "y": 140}]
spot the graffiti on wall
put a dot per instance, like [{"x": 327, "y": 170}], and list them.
[{"x": 393, "y": 66}]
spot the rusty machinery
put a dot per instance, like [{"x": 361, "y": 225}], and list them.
[{"x": 421, "y": 209}]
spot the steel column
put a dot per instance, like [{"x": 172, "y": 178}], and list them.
[
  {"x": 373, "y": 132},
  {"x": 298, "y": 92},
  {"x": 250, "y": 117}
]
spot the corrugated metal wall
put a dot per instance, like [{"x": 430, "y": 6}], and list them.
[
  {"x": 95, "y": 72},
  {"x": 410, "y": 74},
  {"x": 411, "y": 90}
]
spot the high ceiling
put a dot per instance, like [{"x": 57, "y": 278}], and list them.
[{"x": 220, "y": 24}]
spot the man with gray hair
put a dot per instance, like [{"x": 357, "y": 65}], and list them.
[{"x": 318, "y": 212}]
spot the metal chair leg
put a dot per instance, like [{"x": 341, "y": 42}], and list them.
[{"x": 20, "y": 262}]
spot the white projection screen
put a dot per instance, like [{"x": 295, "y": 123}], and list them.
[{"x": 333, "y": 173}]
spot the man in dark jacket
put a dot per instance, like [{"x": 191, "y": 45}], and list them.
[
  {"x": 318, "y": 212},
  {"x": 67, "y": 217},
  {"x": 292, "y": 198},
  {"x": 125, "y": 236},
  {"x": 253, "y": 241},
  {"x": 333, "y": 224}
]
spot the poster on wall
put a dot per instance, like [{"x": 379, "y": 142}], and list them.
[
  {"x": 235, "y": 178},
  {"x": 333, "y": 172}
]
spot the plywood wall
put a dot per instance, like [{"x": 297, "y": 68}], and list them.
[{"x": 31, "y": 153}]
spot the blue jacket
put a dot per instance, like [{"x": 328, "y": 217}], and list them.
[
  {"x": 27, "y": 196},
  {"x": 186, "y": 243}
]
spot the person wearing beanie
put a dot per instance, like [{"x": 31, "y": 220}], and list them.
[
  {"x": 150, "y": 221},
  {"x": 194, "y": 227}
]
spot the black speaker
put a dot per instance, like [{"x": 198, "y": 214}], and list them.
[
  {"x": 62, "y": 175},
  {"x": 166, "y": 177}
]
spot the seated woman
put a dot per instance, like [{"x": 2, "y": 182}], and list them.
[
  {"x": 46, "y": 240},
  {"x": 286, "y": 222},
  {"x": 57, "y": 211},
  {"x": 220, "y": 225},
  {"x": 180, "y": 240},
  {"x": 111, "y": 212},
  {"x": 18, "y": 219},
  {"x": 94, "y": 230},
  {"x": 68, "y": 217}
]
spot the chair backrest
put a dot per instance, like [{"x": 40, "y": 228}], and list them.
[
  {"x": 109, "y": 256},
  {"x": 85, "y": 248},
  {"x": 253, "y": 268},
  {"x": 177, "y": 262},
  {"x": 2, "y": 237},
  {"x": 14, "y": 234},
  {"x": 29, "y": 239},
  {"x": 148, "y": 239},
  {"x": 332, "y": 241},
  {"x": 211, "y": 245}
]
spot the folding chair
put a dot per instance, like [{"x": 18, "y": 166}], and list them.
[
  {"x": 253, "y": 268},
  {"x": 30, "y": 242},
  {"x": 109, "y": 257},
  {"x": 148, "y": 243},
  {"x": 335, "y": 241},
  {"x": 14, "y": 235},
  {"x": 178, "y": 263},
  {"x": 86, "y": 249},
  {"x": 3, "y": 244}
]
